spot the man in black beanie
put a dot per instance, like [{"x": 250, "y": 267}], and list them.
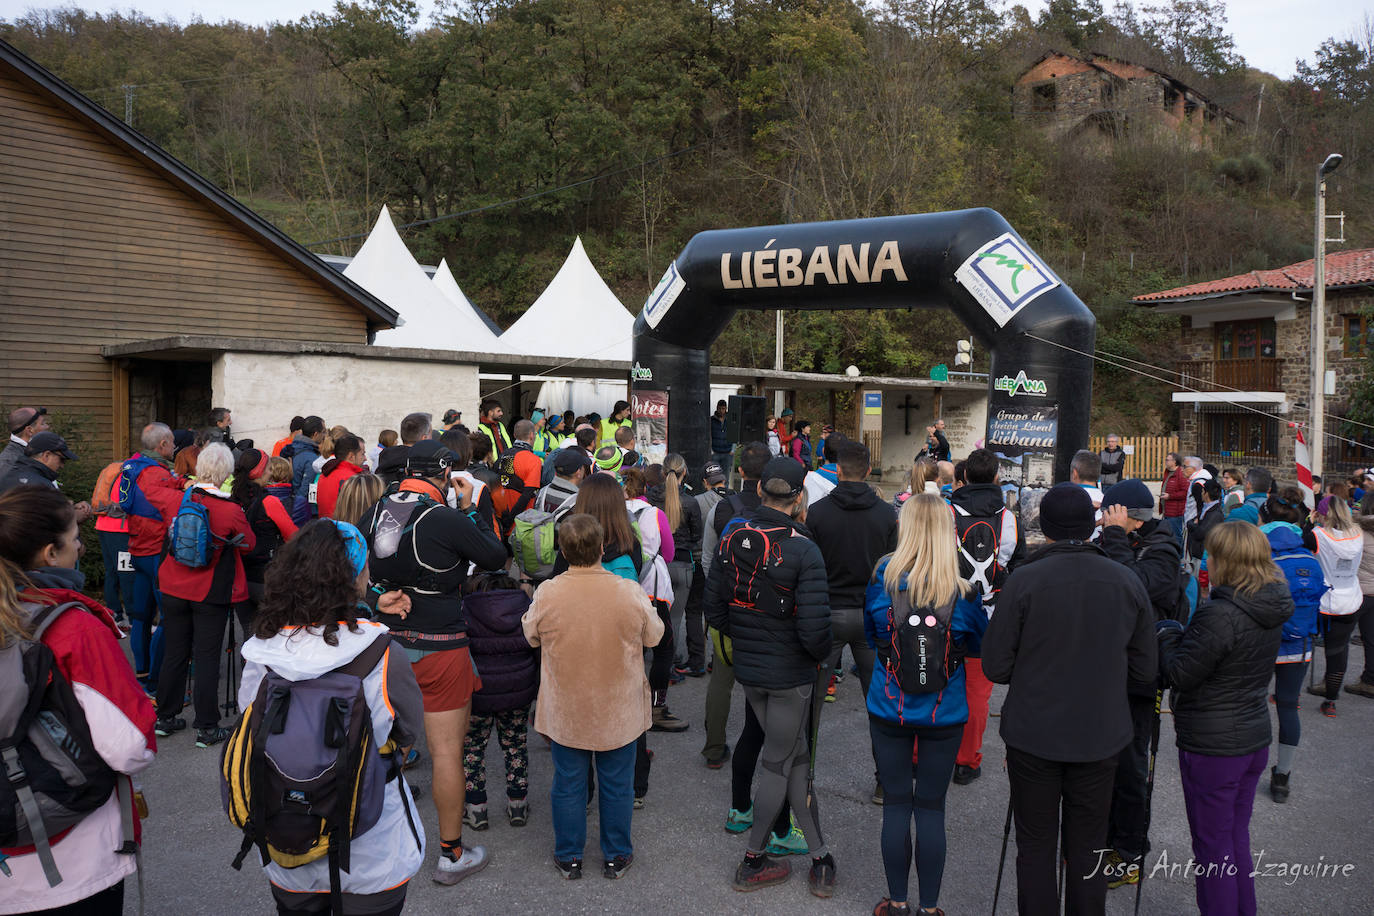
[{"x": 1072, "y": 628}]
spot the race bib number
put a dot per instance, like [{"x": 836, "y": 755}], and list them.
[
  {"x": 125, "y": 563},
  {"x": 314, "y": 495}
]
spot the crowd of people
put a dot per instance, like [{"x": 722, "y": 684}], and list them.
[{"x": 415, "y": 594}]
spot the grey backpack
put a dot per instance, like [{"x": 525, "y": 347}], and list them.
[{"x": 51, "y": 776}]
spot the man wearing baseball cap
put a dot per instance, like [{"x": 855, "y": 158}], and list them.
[
  {"x": 24, "y": 424},
  {"x": 1133, "y": 537},
  {"x": 773, "y": 602},
  {"x": 1072, "y": 630},
  {"x": 44, "y": 457}
]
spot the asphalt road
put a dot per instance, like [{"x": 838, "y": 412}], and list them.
[{"x": 684, "y": 859}]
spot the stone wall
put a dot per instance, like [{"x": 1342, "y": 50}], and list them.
[
  {"x": 265, "y": 390},
  {"x": 965, "y": 414}
]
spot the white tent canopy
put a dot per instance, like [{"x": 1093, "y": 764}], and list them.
[
  {"x": 576, "y": 317},
  {"x": 445, "y": 283},
  {"x": 430, "y": 319}
]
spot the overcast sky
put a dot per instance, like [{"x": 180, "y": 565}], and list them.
[{"x": 1271, "y": 34}]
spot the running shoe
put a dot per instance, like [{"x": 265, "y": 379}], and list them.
[
  {"x": 738, "y": 821},
  {"x": 1329, "y": 709},
  {"x": 518, "y": 812},
  {"x": 793, "y": 844},
  {"x": 165, "y": 727},
  {"x": 450, "y": 870},
  {"x": 616, "y": 868},
  {"x": 762, "y": 872},
  {"x": 821, "y": 880},
  {"x": 830, "y": 690},
  {"x": 208, "y": 737},
  {"x": 571, "y": 869},
  {"x": 475, "y": 816}
]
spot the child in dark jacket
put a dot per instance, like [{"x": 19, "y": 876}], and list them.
[{"x": 510, "y": 682}]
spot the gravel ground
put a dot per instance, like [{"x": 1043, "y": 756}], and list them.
[{"x": 684, "y": 859}]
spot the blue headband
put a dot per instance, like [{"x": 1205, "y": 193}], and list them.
[{"x": 354, "y": 545}]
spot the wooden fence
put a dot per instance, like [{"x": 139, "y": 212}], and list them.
[{"x": 1146, "y": 460}]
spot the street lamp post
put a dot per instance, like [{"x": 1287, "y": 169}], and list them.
[{"x": 1317, "y": 443}]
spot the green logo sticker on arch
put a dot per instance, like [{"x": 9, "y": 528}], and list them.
[{"x": 1005, "y": 276}]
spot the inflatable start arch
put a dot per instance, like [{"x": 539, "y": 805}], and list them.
[{"x": 970, "y": 261}]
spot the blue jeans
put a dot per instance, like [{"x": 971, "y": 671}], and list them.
[
  {"x": 615, "y": 799},
  {"x": 146, "y": 638},
  {"x": 119, "y": 585},
  {"x": 1176, "y": 523}
]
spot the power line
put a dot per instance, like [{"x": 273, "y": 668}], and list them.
[
  {"x": 1219, "y": 386},
  {"x": 1104, "y": 359},
  {"x": 551, "y": 369},
  {"x": 520, "y": 200}
]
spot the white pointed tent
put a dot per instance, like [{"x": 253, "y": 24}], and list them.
[
  {"x": 445, "y": 283},
  {"x": 430, "y": 319},
  {"x": 576, "y": 317}
]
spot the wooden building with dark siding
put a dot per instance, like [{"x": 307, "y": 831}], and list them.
[{"x": 106, "y": 239}]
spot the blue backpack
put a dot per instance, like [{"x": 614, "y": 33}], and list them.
[
  {"x": 1307, "y": 585},
  {"x": 190, "y": 540},
  {"x": 131, "y": 498}
]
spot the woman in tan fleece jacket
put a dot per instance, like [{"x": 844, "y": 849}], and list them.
[{"x": 592, "y": 627}]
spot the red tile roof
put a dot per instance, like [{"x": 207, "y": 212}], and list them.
[{"x": 1343, "y": 268}]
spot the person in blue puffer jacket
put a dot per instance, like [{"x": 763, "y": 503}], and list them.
[
  {"x": 926, "y": 558},
  {"x": 1290, "y": 548}
]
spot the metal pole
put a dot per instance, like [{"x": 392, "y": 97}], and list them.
[
  {"x": 1317, "y": 440},
  {"x": 778, "y": 394}
]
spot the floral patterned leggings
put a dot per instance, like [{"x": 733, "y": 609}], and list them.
[{"x": 512, "y": 732}]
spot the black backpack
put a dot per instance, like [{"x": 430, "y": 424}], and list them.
[
  {"x": 921, "y": 654},
  {"x": 982, "y": 553},
  {"x": 51, "y": 776},
  {"x": 751, "y": 550}
]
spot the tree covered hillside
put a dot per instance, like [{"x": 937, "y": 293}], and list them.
[{"x": 637, "y": 123}]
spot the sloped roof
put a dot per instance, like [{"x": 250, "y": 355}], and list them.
[
  {"x": 429, "y": 320},
  {"x": 1343, "y": 269},
  {"x": 182, "y": 175},
  {"x": 576, "y": 317},
  {"x": 445, "y": 283}
]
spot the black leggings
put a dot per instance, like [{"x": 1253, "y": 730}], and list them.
[
  {"x": 919, "y": 789},
  {"x": 1339, "y": 629},
  {"x": 742, "y": 766},
  {"x": 662, "y": 665},
  {"x": 195, "y": 631},
  {"x": 109, "y": 902}
]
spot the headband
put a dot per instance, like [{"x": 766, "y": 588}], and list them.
[
  {"x": 354, "y": 545},
  {"x": 611, "y": 464},
  {"x": 261, "y": 467}
]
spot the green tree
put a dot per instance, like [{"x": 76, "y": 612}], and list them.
[
  {"x": 1080, "y": 21},
  {"x": 1192, "y": 34}
]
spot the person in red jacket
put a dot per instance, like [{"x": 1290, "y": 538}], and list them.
[
  {"x": 154, "y": 495},
  {"x": 514, "y": 498},
  {"x": 196, "y": 603},
  {"x": 349, "y": 456},
  {"x": 1174, "y": 494},
  {"x": 40, "y": 536}
]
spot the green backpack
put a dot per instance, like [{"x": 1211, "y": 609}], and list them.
[{"x": 533, "y": 539}]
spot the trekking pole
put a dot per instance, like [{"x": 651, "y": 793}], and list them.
[
  {"x": 1002, "y": 860},
  {"x": 231, "y": 705},
  {"x": 811, "y": 803},
  {"x": 1149, "y": 795}
]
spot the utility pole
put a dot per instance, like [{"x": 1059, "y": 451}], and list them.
[
  {"x": 1317, "y": 445},
  {"x": 128, "y": 103}
]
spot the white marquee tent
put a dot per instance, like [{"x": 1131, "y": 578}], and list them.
[
  {"x": 576, "y": 317},
  {"x": 430, "y": 319}
]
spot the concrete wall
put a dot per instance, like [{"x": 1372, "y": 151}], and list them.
[
  {"x": 965, "y": 414},
  {"x": 264, "y": 390}
]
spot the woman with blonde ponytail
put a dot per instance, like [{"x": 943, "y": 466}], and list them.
[
  {"x": 684, "y": 517},
  {"x": 919, "y": 581},
  {"x": 1340, "y": 548},
  {"x": 40, "y": 544}
]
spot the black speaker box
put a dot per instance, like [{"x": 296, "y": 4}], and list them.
[{"x": 744, "y": 419}]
